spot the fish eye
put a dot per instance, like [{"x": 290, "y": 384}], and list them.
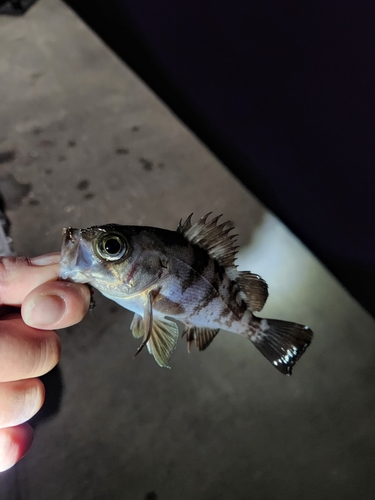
[{"x": 111, "y": 247}]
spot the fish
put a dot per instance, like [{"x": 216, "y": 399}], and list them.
[{"x": 188, "y": 275}]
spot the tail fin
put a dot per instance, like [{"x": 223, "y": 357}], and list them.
[{"x": 281, "y": 342}]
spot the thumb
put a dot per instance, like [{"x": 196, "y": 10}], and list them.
[{"x": 20, "y": 275}]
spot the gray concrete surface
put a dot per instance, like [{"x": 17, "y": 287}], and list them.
[{"x": 82, "y": 142}]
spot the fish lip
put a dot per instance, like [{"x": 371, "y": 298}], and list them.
[
  {"x": 69, "y": 253},
  {"x": 74, "y": 257},
  {"x": 67, "y": 234},
  {"x": 77, "y": 256}
]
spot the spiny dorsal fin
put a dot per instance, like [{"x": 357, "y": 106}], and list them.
[
  {"x": 181, "y": 228},
  {"x": 212, "y": 237},
  {"x": 202, "y": 337},
  {"x": 254, "y": 288}
]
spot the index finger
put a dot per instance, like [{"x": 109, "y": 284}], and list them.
[{"x": 20, "y": 275}]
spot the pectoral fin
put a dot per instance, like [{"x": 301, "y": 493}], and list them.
[
  {"x": 147, "y": 322},
  {"x": 201, "y": 336},
  {"x": 137, "y": 326},
  {"x": 160, "y": 335},
  {"x": 163, "y": 341}
]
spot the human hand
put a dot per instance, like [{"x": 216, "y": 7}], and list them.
[{"x": 29, "y": 346}]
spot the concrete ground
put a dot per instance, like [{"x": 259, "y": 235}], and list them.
[{"x": 83, "y": 142}]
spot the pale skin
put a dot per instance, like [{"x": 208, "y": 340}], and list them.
[{"x": 29, "y": 344}]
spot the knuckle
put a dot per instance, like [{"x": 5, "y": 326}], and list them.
[
  {"x": 7, "y": 267},
  {"x": 33, "y": 400},
  {"x": 19, "y": 401}
]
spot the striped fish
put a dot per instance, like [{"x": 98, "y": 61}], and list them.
[{"x": 188, "y": 275}]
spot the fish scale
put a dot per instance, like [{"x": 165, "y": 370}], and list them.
[
  {"x": 205, "y": 294},
  {"x": 188, "y": 275}
]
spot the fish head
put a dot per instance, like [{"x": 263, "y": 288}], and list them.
[{"x": 117, "y": 260}]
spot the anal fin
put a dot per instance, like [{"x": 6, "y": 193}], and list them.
[
  {"x": 281, "y": 342},
  {"x": 202, "y": 337},
  {"x": 254, "y": 288}
]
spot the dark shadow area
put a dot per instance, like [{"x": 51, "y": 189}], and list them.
[
  {"x": 53, "y": 383},
  {"x": 15, "y": 7},
  {"x": 282, "y": 93}
]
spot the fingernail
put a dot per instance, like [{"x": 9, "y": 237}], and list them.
[
  {"x": 46, "y": 260},
  {"x": 45, "y": 310}
]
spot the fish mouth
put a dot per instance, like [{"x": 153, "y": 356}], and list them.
[
  {"x": 69, "y": 234},
  {"x": 76, "y": 258}
]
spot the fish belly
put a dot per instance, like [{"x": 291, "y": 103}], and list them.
[{"x": 134, "y": 304}]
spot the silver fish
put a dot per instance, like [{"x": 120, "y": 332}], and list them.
[{"x": 188, "y": 275}]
